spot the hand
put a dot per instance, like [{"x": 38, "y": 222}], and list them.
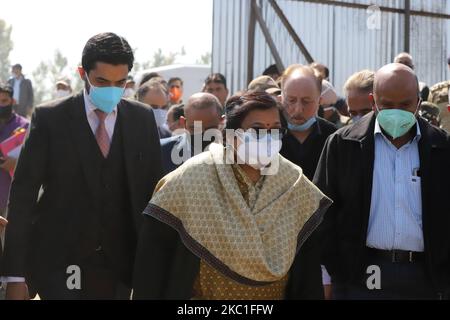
[
  {"x": 328, "y": 291},
  {"x": 3, "y": 223},
  {"x": 17, "y": 291}
]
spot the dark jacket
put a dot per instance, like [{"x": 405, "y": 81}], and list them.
[
  {"x": 59, "y": 156},
  {"x": 167, "y": 146},
  {"x": 306, "y": 155},
  {"x": 345, "y": 174},
  {"x": 26, "y": 97}
]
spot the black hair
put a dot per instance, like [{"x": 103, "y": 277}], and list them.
[
  {"x": 239, "y": 106},
  {"x": 178, "y": 111},
  {"x": 321, "y": 68},
  {"x": 272, "y": 69},
  {"x": 108, "y": 48},
  {"x": 216, "y": 78},
  {"x": 17, "y": 66},
  {"x": 4, "y": 88},
  {"x": 341, "y": 105},
  {"x": 175, "y": 79},
  {"x": 425, "y": 92},
  {"x": 148, "y": 76}
]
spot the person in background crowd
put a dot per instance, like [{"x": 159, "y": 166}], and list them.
[
  {"x": 440, "y": 96},
  {"x": 252, "y": 253},
  {"x": 321, "y": 71},
  {"x": 301, "y": 96},
  {"x": 405, "y": 58},
  {"x": 386, "y": 233},
  {"x": 273, "y": 72},
  {"x": 328, "y": 109},
  {"x": 430, "y": 112},
  {"x": 148, "y": 76},
  {"x": 10, "y": 123},
  {"x": 87, "y": 158},
  {"x": 216, "y": 84},
  {"x": 176, "y": 90},
  {"x": 173, "y": 117},
  {"x": 358, "y": 88},
  {"x": 265, "y": 84},
  {"x": 154, "y": 94},
  {"x": 206, "y": 110},
  {"x": 23, "y": 92},
  {"x": 129, "y": 88},
  {"x": 63, "y": 88}
]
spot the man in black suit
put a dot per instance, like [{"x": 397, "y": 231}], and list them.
[
  {"x": 96, "y": 159},
  {"x": 203, "y": 109}
]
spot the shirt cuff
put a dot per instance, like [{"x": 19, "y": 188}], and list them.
[
  {"x": 12, "y": 279},
  {"x": 326, "y": 279}
]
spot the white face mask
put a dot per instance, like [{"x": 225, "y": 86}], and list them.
[
  {"x": 62, "y": 93},
  {"x": 129, "y": 93},
  {"x": 257, "y": 153},
  {"x": 160, "y": 116}
]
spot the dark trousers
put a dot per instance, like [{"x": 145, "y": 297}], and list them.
[
  {"x": 98, "y": 282},
  {"x": 399, "y": 281}
]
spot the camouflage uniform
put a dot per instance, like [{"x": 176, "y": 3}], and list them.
[{"x": 439, "y": 96}]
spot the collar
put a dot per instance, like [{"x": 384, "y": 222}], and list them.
[{"x": 378, "y": 131}]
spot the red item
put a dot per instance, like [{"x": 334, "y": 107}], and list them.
[{"x": 13, "y": 142}]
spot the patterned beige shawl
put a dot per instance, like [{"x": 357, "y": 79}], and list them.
[{"x": 202, "y": 201}]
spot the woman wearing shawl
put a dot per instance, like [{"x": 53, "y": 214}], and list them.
[{"x": 234, "y": 222}]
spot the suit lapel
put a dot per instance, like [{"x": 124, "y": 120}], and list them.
[{"x": 85, "y": 144}]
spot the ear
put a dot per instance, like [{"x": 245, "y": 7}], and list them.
[
  {"x": 372, "y": 101},
  {"x": 320, "y": 100},
  {"x": 182, "y": 122},
  {"x": 81, "y": 72}
]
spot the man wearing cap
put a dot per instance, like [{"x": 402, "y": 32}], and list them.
[
  {"x": 265, "y": 84},
  {"x": 23, "y": 91},
  {"x": 430, "y": 112},
  {"x": 439, "y": 95},
  {"x": 63, "y": 88}
]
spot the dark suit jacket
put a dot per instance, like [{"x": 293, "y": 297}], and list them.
[
  {"x": 44, "y": 234},
  {"x": 167, "y": 145},
  {"x": 345, "y": 173},
  {"x": 26, "y": 97}
]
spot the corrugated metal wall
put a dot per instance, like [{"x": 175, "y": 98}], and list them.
[{"x": 336, "y": 36}]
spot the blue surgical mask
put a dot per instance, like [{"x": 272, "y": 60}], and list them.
[
  {"x": 396, "y": 122},
  {"x": 105, "y": 98},
  {"x": 302, "y": 127}
]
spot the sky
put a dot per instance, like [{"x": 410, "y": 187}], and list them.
[{"x": 42, "y": 26}]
